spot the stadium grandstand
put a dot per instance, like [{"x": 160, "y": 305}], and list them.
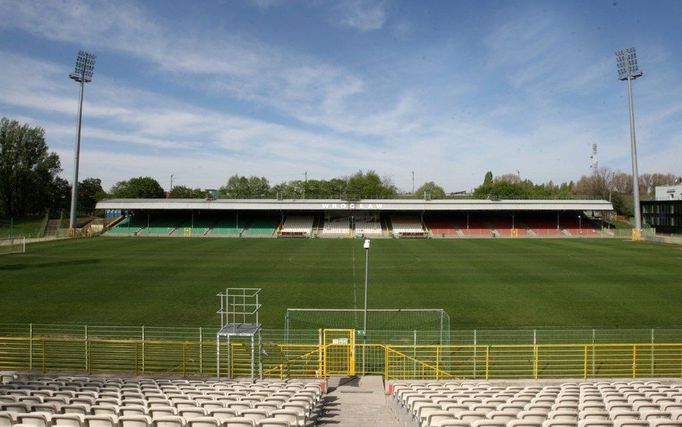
[{"x": 390, "y": 218}]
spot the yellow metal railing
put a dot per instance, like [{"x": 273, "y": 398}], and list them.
[{"x": 198, "y": 358}]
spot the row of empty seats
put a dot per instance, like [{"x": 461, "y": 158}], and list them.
[
  {"x": 297, "y": 226},
  {"x": 121, "y": 402},
  {"x": 599, "y": 404},
  {"x": 337, "y": 227},
  {"x": 368, "y": 226},
  {"x": 407, "y": 226}
]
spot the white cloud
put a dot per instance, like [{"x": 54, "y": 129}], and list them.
[{"x": 363, "y": 15}]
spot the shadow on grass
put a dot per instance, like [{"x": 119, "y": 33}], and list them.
[{"x": 50, "y": 264}]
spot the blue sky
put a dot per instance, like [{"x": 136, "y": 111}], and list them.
[{"x": 275, "y": 88}]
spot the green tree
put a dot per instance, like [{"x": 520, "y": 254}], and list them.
[
  {"x": 28, "y": 171},
  {"x": 434, "y": 190},
  {"x": 370, "y": 184},
  {"x": 242, "y": 187},
  {"x": 142, "y": 187},
  {"x": 60, "y": 196},
  {"x": 183, "y": 192},
  {"x": 89, "y": 193},
  {"x": 488, "y": 179}
]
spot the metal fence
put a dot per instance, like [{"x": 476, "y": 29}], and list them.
[{"x": 476, "y": 354}]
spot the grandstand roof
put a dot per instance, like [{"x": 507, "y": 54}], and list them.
[{"x": 359, "y": 205}]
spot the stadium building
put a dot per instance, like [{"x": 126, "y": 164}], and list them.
[
  {"x": 336, "y": 218},
  {"x": 665, "y": 212}
]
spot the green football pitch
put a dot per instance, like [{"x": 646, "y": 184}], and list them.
[{"x": 480, "y": 283}]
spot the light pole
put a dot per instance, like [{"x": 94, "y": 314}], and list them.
[
  {"x": 628, "y": 69},
  {"x": 85, "y": 65},
  {"x": 364, "y": 323}
]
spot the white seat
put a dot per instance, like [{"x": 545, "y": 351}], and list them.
[
  {"x": 67, "y": 420},
  {"x": 254, "y": 414},
  {"x": 524, "y": 423},
  {"x": 661, "y": 422},
  {"x": 489, "y": 423},
  {"x": 559, "y": 423},
  {"x": 100, "y": 421},
  {"x": 36, "y": 419},
  {"x": 134, "y": 421},
  {"x": 239, "y": 422},
  {"x": 286, "y": 414},
  {"x": 168, "y": 421},
  {"x": 275, "y": 422},
  {"x": 203, "y": 422},
  {"x": 595, "y": 423},
  {"x": 630, "y": 423}
]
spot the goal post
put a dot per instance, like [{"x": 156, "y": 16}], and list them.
[
  {"x": 13, "y": 245},
  {"x": 394, "y": 325}
]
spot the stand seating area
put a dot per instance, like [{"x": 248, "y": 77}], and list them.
[
  {"x": 297, "y": 226},
  {"x": 137, "y": 402},
  {"x": 529, "y": 404}
]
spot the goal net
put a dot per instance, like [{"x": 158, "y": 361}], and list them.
[
  {"x": 13, "y": 245},
  {"x": 384, "y": 324}
]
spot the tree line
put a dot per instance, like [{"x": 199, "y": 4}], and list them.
[{"x": 30, "y": 183}]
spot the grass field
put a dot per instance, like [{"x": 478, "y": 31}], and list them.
[{"x": 481, "y": 283}]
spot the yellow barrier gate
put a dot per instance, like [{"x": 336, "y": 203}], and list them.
[{"x": 339, "y": 351}]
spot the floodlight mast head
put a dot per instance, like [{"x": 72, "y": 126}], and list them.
[
  {"x": 626, "y": 61},
  {"x": 85, "y": 66}
]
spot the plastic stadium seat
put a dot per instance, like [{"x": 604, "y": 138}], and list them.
[
  {"x": 168, "y": 421},
  {"x": 254, "y": 414},
  {"x": 652, "y": 415},
  {"x": 67, "y": 420},
  {"x": 563, "y": 415},
  {"x": 661, "y": 422},
  {"x": 502, "y": 415},
  {"x": 451, "y": 423},
  {"x": 203, "y": 422},
  {"x": 100, "y": 421},
  {"x": 134, "y": 421},
  {"x": 471, "y": 416},
  {"x": 595, "y": 423},
  {"x": 436, "y": 416},
  {"x": 620, "y": 414},
  {"x": 559, "y": 423},
  {"x": 36, "y": 419},
  {"x": 268, "y": 406},
  {"x": 17, "y": 408},
  {"x": 133, "y": 410},
  {"x": 288, "y": 415},
  {"x": 594, "y": 415},
  {"x": 524, "y": 423},
  {"x": 275, "y": 422},
  {"x": 223, "y": 413},
  {"x": 7, "y": 418},
  {"x": 161, "y": 411},
  {"x": 630, "y": 423},
  {"x": 239, "y": 422},
  {"x": 189, "y": 413}
]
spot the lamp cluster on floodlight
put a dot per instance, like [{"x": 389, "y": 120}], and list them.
[
  {"x": 626, "y": 61},
  {"x": 85, "y": 66}
]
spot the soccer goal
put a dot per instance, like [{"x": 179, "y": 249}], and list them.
[
  {"x": 13, "y": 245},
  {"x": 388, "y": 324}
]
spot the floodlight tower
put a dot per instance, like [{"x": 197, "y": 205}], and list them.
[
  {"x": 85, "y": 65},
  {"x": 626, "y": 60}
]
